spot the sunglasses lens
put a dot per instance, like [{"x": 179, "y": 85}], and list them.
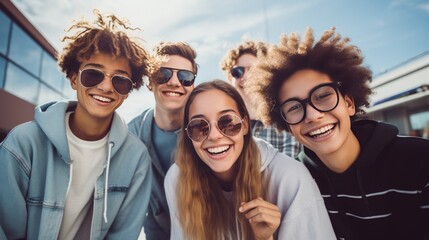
[
  {"x": 122, "y": 85},
  {"x": 198, "y": 129},
  {"x": 164, "y": 75},
  {"x": 185, "y": 77},
  {"x": 237, "y": 72},
  {"x": 229, "y": 124},
  {"x": 91, "y": 77}
]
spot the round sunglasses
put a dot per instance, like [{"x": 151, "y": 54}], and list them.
[
  {"x": 198, "y": 129},
  {"x": 186, "y": 77},
  {"x": 238, "y": 72},
  {"x": 91, "y": 77}
]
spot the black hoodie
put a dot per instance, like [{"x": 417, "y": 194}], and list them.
[{"x": 385, "y": 193}]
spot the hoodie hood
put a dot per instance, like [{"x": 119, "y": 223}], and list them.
[
  {"x": 51, "y": 119},
  {"x": 266, "y": 151},
  {"x": 373, "y": 136}
]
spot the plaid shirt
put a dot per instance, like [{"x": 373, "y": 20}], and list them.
[{"x": 281, "y": 140}]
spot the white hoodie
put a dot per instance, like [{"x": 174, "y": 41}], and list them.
[{"x": 289, "y": 185}]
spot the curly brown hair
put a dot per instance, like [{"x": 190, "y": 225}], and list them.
[
  {"x": 165, "y": 49},
  {"x": 247, "y": 47},
  {"x": 103, "y": 36},
  {"x": 331, "y": 55}
]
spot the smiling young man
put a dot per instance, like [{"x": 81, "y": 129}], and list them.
[
  {"x": 158, "y": 128},
  {"x": 236, "y": 65},
  {"x": 75, "y": 172},
  {"x": 375, "y": 183}
]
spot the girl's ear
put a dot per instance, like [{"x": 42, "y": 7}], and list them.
[
  {"x": 350, "y": 103},
  {"x": 246, "y": 125}
]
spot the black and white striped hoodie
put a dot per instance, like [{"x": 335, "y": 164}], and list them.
[{"x": 385, "y": 193}]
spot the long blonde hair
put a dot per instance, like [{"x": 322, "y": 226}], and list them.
[{"x": 204, "y": 212}]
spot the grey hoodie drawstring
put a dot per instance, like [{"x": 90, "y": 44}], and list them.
[{"x": 111, "y": 144}]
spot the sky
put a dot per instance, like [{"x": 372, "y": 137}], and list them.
[{"x": 389, "y": 32}]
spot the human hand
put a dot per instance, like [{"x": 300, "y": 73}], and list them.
[{"x": 264, "y": 217}]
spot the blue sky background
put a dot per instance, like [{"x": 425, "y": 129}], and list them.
[{"x": 388, "y": 32}]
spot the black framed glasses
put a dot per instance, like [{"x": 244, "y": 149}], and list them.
[
  {"x": 198, "y": 129},
  {"x": 91, "y": 77},
  {"x": 186, "y": 77},
  {"x": 323, "y": 98},
  {"x": 238, "y": 72}
]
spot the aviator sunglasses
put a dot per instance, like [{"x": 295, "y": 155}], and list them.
[
  {"x": 186, "y": 77},
  {"x": 229, "y": 125},
  {"x": 91, "y": 77}
]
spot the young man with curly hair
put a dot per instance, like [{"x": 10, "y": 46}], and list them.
[
  {"x": 236, "y": 65},
  {"x": 75, "y": 172},
  {"x": 375, "y": 183},
  {"x": 171, "y": 81}
]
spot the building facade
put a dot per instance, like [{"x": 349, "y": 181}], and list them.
[
  {"x": 402, "y": 97},
  {"x": 29, "y": 73}
]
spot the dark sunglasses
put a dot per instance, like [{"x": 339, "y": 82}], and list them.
[
  {"x": 238, "y": 72},
  {"x": 198, "y": 129},
  {"x": 186, "y": 77},
  {"x": 91, "y": 77}
]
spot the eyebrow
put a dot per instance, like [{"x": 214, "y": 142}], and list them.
[
  {"x": 221, "y": 113},
  {"x": 96, "y": 65}
]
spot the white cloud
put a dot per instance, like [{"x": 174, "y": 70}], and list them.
[
  {"x": 208, "y": 26},
  {"x": 398, "y": 3},
  {"x": 424, "y": 6}
]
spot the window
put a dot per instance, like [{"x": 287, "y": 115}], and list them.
[
  {"x": 420, "y": 124},
  {"x": 48, "y": 95},
  {"x": 51, "y": 73},
  {"x": 68, "y": 91},
  {"x": 4, "y": 32},
  {"x": 24, "y": 51},
  {"x": 2, "y": 71},
  {"x": 21, "y": 84}
]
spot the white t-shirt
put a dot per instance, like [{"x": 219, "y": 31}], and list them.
[{"x": 87, "y": 164}]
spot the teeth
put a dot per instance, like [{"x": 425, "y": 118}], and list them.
[
  {"x": 321, "y": 130},
  {"x": 217, "y": 150},
  {"x": 103, "y": 99},
  {"x": 173, "y": 94}
]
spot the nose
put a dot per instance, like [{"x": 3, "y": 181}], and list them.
[
  {"x": 174, "y": 80},
  {"x": 312, "y": 114},
  {"x": 106, "y": 85},
  {"x": 242, "y": 80},
  {"x": 214, "y": 132}
]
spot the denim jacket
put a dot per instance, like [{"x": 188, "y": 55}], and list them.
[
  {"x": 157, "y": 225},
  {"x": 35, "y": 169}
]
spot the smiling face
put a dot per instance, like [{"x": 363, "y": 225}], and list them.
[
  {"x": 217, "y": 151},
  {"x": 324, "y": 133},
  {"x": 100, "y": 102},
  {"x": 171, "y": 96}
]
